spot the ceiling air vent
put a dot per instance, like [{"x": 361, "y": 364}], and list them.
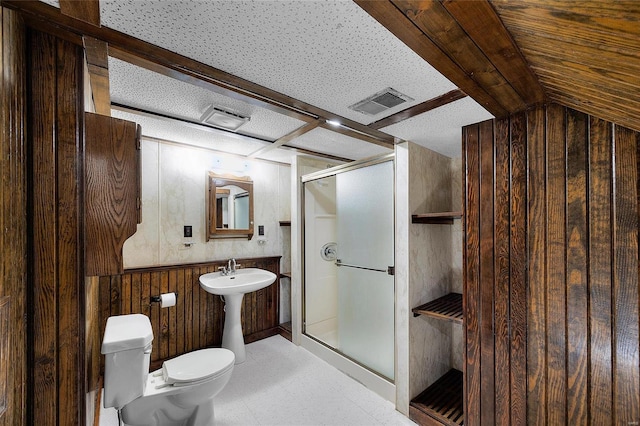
[
  {"x": 381, "y": 101},
  {"x": 225, "y": 119}
]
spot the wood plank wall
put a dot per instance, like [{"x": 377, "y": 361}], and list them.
[
  {"x": 13, "y": 221},
  {"x": 551, "y": 270},
  {"x": 55, "y": 314},
  {"x": 197, "y": 320}
]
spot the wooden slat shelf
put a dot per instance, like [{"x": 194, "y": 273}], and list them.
[
  {"x": 285, "y": 223},
  {"x": 440, "y": 218},
  {"x": 448, "y": 307},
  {"x": 442, "y": 401}
]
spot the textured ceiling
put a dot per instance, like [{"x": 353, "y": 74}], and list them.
[
  {"x": 326, "y": 53},
  {"x": 328, "y": 142},
  {"x": 330, "y": 54},
  {"x": 141, "y": 88},
  {"x": 441, "y": 128}
]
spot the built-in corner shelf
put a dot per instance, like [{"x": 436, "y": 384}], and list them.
[
  {"x": 440, "y": 218},
  {"x": 442, "y": 401},
  {"x": 285, "y": 275},
  {"x": 285, "y": 223},
  {"x": 448, "y": 307}
]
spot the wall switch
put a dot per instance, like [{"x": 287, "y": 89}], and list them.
[
  {"x": 188, "y": 232},
  {"x": 260, "y": 229}
]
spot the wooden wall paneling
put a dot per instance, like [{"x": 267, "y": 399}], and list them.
[
  {"x": 577, "y": 279},
  {"x": 70, "y": 230},
  {"x": 13, "y": 218},
  {"x": 125, "y": 296},
  {"x": 471, "y": 150},
  {"x": 556, "y": 267},
  {"x": 517, "y": 266},
  {"x": 487, "y": 278},
  {"x": 57, "y": 330},
  {"x": 173, "y": 315},
  {"x": 212, "y": 328},
  {"x": 600, "y": 270},
  {"x": 189, "y": 317},
  {"x": 136, "y": 292},
  {"x": 195, "y": 307},
  {"x": 626, "y": 361},
  {"x": 180, "y": 312},
  {"x": 164, "y": 334},
  {"x": 537, "y": 279},
  {"x": 204, "y": 296},
  {"x": 70, "y": 265},
  {"x": 154, "y": 316},
  {"x": 567, "y": 310},
  {"x": 42, "y": 337},
  {"x": 502, "y": 228},
  {"x": 93, "y": 334}
]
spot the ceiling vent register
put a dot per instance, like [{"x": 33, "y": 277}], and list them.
[
  {"x": 381, "y": 101},
  {"x": 225, "y": 119}
]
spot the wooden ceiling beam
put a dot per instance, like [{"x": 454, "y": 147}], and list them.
[
  {"x": 387, "y": 14},
  {"x": 96, "y": 54},
  {"x": 442, "y": 29},
  {"x": 287, "y": 138},
  {"x": 177, "y": 66},
  {"x": 421, "y": 108},
  {"x": 483, "y": 25},
  {"x": 85, "y": 10}
]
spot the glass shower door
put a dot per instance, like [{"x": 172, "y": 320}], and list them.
[
  {"x": 365, "y": 241},
  {"x": 349, "y": 249}
]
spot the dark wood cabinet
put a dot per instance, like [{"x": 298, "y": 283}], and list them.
[{"x": 112, "y": 204}]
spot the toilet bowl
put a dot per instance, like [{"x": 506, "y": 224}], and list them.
[{"x": 180, "y": 393}]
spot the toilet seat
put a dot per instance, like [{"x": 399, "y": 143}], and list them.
[{"x": 198, "y": 366}]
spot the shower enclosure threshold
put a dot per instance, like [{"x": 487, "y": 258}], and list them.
[{"x": 370, "y": 380}]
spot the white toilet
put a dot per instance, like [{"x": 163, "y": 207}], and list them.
[{"x": 180, "y": 393}]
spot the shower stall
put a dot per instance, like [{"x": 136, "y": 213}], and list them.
[{"x": 348, "y": 276}]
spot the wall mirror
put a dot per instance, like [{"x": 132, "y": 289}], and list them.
[{"x": 229, "y": 206}]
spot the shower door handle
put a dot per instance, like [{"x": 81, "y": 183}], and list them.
[{"x": 390, "y": 269}]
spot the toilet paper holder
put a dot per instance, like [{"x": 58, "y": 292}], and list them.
[{"x": 158, "y": 299}]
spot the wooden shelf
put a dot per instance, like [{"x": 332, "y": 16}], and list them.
[
  {"x": 442, "y": 401},
  {"x": 285, "y": 223},
  {"x": 440, "y": 218},
  {"x": 448, "y": 307}
]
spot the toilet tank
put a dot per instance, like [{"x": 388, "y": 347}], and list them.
[{"x": 127, "y": 349}]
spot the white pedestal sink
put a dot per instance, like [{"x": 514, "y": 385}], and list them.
[{"x": 233, "y": 287}]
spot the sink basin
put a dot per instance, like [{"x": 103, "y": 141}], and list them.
[
  {"x": 242, "y": 281},
  {"x": 233, "y": 287}
]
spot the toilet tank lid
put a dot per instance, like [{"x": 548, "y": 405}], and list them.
[{"x": 124, "y": 332}]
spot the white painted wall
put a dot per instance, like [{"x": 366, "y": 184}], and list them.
[{"x": 174, "y": 190}]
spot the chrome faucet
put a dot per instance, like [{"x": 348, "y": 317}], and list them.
[{"x": 231, "y": 266}]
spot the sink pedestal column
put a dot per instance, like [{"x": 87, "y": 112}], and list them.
[{"x": 232, "y": 338}]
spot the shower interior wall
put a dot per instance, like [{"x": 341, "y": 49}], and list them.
[{"x": 428, "y": 265}]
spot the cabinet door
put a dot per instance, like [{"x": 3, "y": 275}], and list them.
[{"x": 112, "y": 191}]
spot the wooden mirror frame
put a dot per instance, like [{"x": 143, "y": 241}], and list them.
[{"x": 214, "y": 181}]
